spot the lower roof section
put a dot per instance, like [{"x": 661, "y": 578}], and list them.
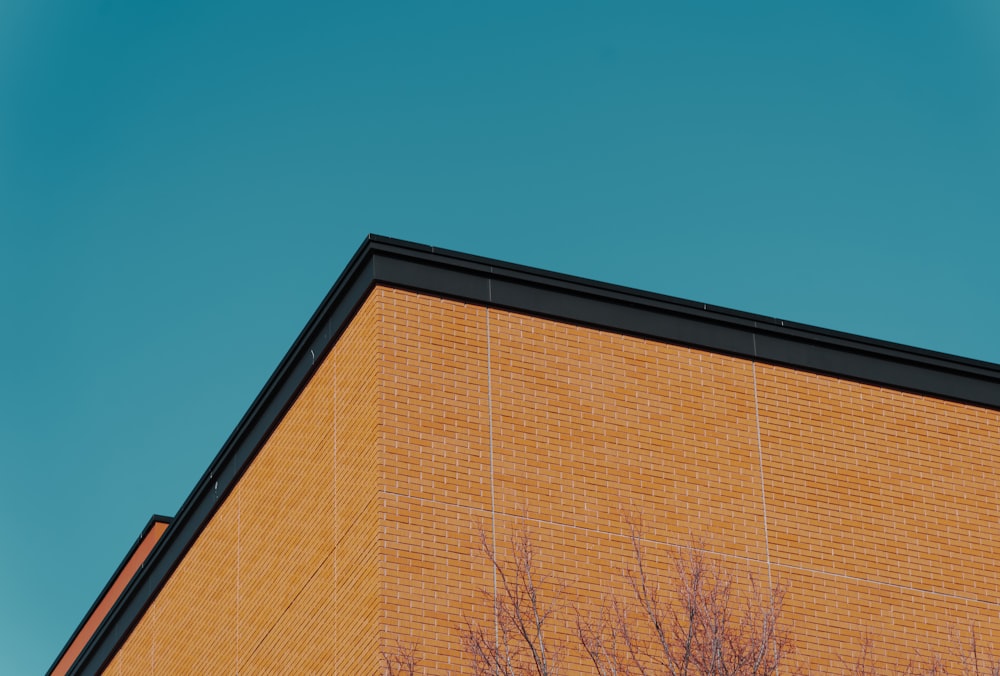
[
  {"x": 428, "y": 270},
  {"x": 116, "y": 586}
]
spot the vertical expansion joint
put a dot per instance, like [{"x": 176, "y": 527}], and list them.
[
  {"x": 489, "y": 409},
  {"x": 760, "y": 464}
]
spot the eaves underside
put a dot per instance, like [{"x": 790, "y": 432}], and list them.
[{"x": 428, "y": 270}]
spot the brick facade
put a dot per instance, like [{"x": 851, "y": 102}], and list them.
[{"x": 431, "y": 421}]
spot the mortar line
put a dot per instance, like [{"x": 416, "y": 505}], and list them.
[
  {"x": 760, "y": 465},
  {"x": 493, "y": 495}
]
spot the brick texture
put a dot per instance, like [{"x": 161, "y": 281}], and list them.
[
  {"x": 432, "y": 422},
  {"x": 285, "y": 579}
]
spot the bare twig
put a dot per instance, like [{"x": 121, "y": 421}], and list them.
[
  {"x": 517, "y": 643},
  {"x": 399, "y": 662},
  {"x": 701, "y": 630}
]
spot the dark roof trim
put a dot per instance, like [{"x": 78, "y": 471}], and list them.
[
  {"x": 390, "y": 262},
  {"x": 153, "y": 520}
]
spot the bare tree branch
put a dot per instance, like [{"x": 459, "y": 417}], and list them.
[
  {"x": 701, "y": 630},
  {"x": 399, "y": 662},
  {"x": 973, "y": 660},
  {"x": 517, "y": 643},
  {"x": 695, "y": 619}
]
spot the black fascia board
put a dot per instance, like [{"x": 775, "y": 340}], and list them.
[
  {"x": 673, "y": 320},
  {"x": 474, "y": 279}
]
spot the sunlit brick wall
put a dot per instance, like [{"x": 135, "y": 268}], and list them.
[
  {"x": 433, "y": 421},
  {"x": 881, "y": 509},
  {"x": 286, "y": 576}
]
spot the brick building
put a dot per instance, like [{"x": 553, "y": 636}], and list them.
[{"x": 435, "y": 395}]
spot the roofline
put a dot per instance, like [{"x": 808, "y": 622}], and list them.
[
  {"x": 424, "y": 269},
  {"x": 153, "y": 520}
]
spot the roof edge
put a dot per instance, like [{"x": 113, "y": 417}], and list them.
[
  {"x": 441, "y": 272},
  {"x": 154, "y": 520}
]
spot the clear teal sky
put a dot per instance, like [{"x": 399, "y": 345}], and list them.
[{"x": 181, "y": 182}]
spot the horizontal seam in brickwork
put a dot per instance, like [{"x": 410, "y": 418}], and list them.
[
  {"x": 881, "y": 583},
  {"x": 557, "y": 524}
]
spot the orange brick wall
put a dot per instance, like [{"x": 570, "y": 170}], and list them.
[
  {"x": 284, "y": 579},
  {"x": 432, "y": 421},
  {"x": 880, "y": 504},
  {"x": 435, "y": 413},
  {"x": 885, "y": 502}
]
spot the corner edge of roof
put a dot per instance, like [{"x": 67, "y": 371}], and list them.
[{"x": 442, "y": 272}]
